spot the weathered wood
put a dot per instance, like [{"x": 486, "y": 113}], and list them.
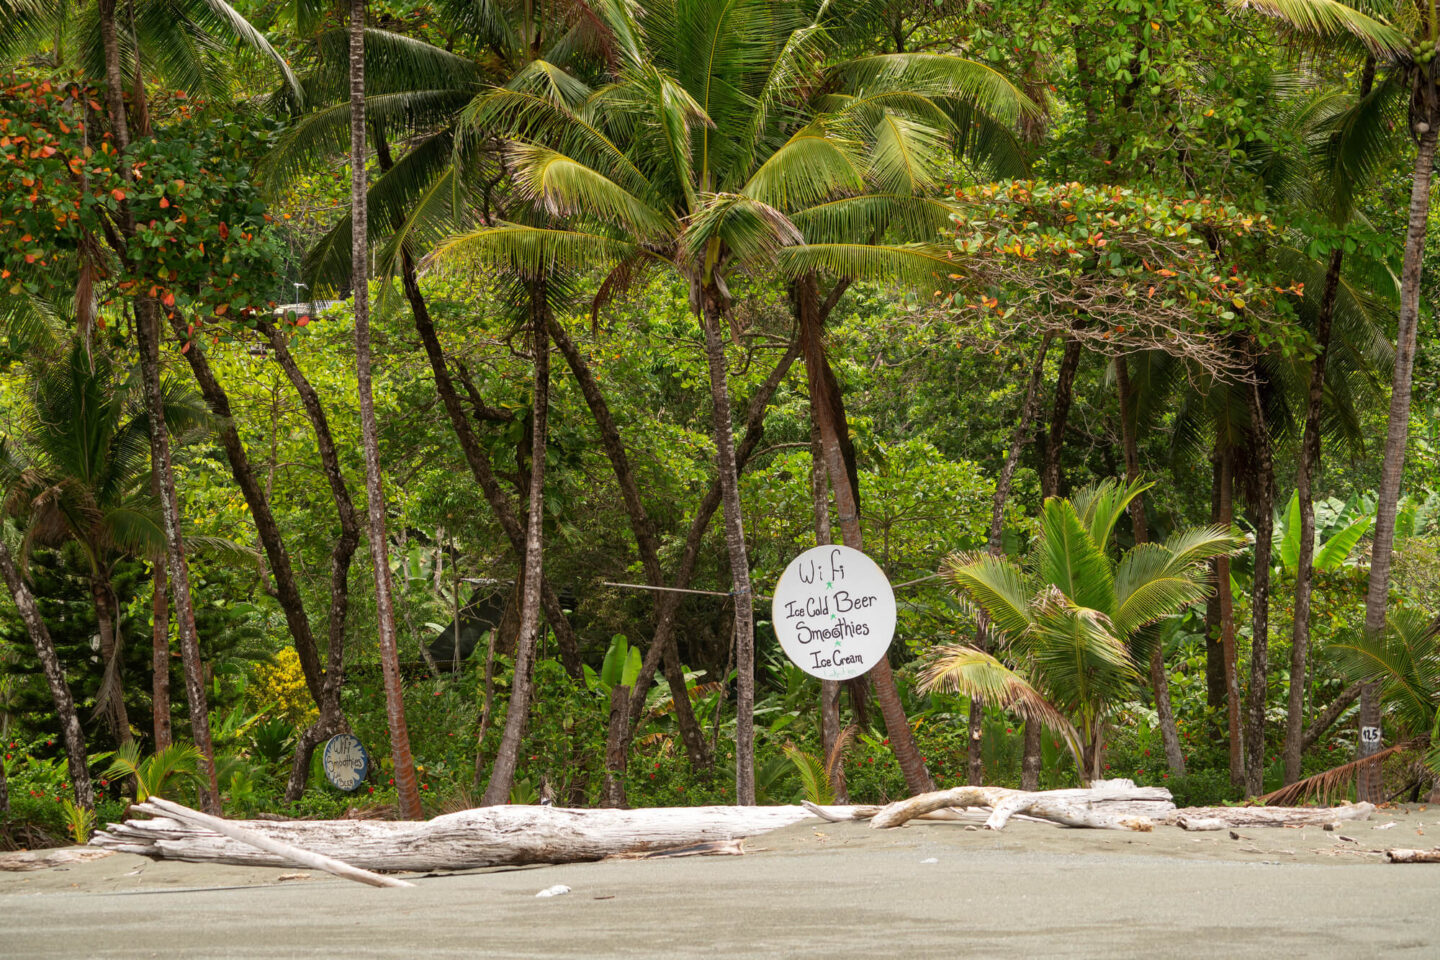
[
  {"x": 1105, "y": 805},
  {"x": 1413, "y": 856},
  {"x": 286, "y": 851},
  {"x": 24, "y": 860},
  {"x": 489, "y": 836},
  {"x": 844, "y": 813},
  {"x": 1268, "y": 816}
]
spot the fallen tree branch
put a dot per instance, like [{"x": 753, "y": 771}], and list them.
[
  {"x": 1218, "y": 818},
  {"x": 285, "y": 851},
  {"x": 1105, "y": 805},
  {"x": 489, "y": 836}
]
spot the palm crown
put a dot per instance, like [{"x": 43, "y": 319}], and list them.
[{"x": 1071, "y": 615}]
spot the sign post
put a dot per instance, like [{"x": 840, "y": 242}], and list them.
[{"x": 834, "y": 612}]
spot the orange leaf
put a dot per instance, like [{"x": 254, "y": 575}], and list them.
[
  {"x": 118, "y": 194},
  {"x": 168, "y": 299},
  {"x": 164, "y": 203}
]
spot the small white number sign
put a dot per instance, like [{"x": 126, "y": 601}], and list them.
[{"x": 1370, "y": 735}]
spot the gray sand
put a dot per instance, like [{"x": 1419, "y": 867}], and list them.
[{"x": 812, "y": 890}]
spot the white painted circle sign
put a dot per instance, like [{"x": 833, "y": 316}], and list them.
[
  {"x": 834, "y": 612},
  {"x": 345, "y": 762}
]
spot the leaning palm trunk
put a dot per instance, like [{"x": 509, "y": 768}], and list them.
[
  {"x": 408, "y": 792},
  {"x": 712, "y": 315},
  {"x": 502, "y": 774},
  {"x": 828, "y": 411},
  {"x": 54, "y": 676},
  {"x": 112, "y": 687},
  {"x": 1393, "y": 466}
]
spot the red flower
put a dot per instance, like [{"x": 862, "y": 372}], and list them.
[{"x": 392, "y": 781}]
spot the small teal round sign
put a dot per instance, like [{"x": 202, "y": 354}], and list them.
[{"x": 345, "y": 762}]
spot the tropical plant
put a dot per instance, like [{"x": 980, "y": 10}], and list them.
[
  {"x": 177, "y": 763},
  {"x": 1071, "y": 617}
]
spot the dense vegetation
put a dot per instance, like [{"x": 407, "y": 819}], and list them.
[{"x": 396, "y": 368}]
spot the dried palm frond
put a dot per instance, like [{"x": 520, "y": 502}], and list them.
[
  {"x": 1325, "y": 784},
  {"x": 842, "y": 743}
]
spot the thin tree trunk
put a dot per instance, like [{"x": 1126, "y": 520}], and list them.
[
  {"x": 287, "y": 589},
  {"x": 1223, "y": 588},
  {"x": 479, "y": 463},
  {"x": 1305, "y": 562},
  {"x": 827, "y": 407},
  {"x": 643, "y": 531},
  {"x": 1329, "y": 715},
  {"x": 502, "y": 773},
  {"x": 147, "y": 328},
  {"x": 829, "y": 689},
  {"x": 332, "y": 718},
  {"x": 665, "y": 622},
  {"x": 1259, "y": 597},
  {"x": 1059, "y": 416},
  {"x": 1397, "y": 430},
  {"x": 487, "y": 709},
  {"x": 55, "y": 677},
  {"x": 160, "y": 659},
  {"x": 995, "y": 545},
  {"x": 1159, "y": 680},
  {"x": 112, "y": 687},
  {"x": 1214, "y": 648},
  {"x": 712, "y": 315},
  {"x": 408, "y": 792}
]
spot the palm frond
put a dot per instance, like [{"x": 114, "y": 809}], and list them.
[
  {"x": 1328, "y": 18},
  {"x": 921, "y": 266},
  {"x": 814, "y": 165},
  {"x": 994, "y": 586}
]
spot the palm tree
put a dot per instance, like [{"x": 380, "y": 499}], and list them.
[
  {"x": 87, "y": 482},
  {"x": 1073, "y": 617},
  {"x": 405, "y": 783},
  {"x": 1406, "y": 38},
  {"x": 707, "y": 165}
]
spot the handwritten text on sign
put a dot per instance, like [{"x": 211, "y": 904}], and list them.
[{"x": 834, "y": 612}]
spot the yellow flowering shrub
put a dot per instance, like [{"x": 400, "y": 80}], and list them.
[{"x": 279, "y": 686}]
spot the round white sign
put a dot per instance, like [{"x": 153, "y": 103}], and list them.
[
  {"x": 345, "y": 762},
  {"x": 834, "y": 612}
]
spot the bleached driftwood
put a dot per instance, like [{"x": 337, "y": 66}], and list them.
[
  {"x": 1413, "y": 856},
  {"x": 485, "y": 837},
  {"x": 23, "y": 860},
  {"x": 1105, "y": 805},
  {"x": 1218, "y": 818},
  {"x": 286, "y": 851},
  {"x": 841, "y": 814}
]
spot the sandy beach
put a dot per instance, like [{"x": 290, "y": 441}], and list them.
[{"x": 810, "y": 890}]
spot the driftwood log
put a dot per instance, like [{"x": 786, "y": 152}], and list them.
[
  {"x": 1104, "y": 805},
  {"x": 486, "y": 837},
  {"x": 1413, "y": 856},
  {"x": 1220, "y": 818},
  {"x": 286, "y": 851}
]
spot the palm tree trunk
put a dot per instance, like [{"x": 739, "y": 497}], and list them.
[
  {"x": 55, "y": 676},
  {"x": 665, "y": 615},
  {"x": 712, "y": 315},
  {"x": 147, "y": 328},
  {"x": 1259, "y": 597},
  {"x": 829, "y": 689},
  {"x": 408, "y": 792},
  {"x": 1305, "y": 562},
  {"x": 332, "y": 718},
  {"x": 827, "y": 407},
  {"x": 502, "y": 774},
  {"x": 160, "y": 658},
  {"x": 644, "y": 533},
  {"x": 1159, "y": 680},
  {"x": 112, "y": 687},
  {"x": 478, "y": 460},
  {"x": 1393, "y": 465},
  {"x": 1223, "y": 588}
]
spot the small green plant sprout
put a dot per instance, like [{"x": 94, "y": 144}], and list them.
[{"x": 80, "y": 821}]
